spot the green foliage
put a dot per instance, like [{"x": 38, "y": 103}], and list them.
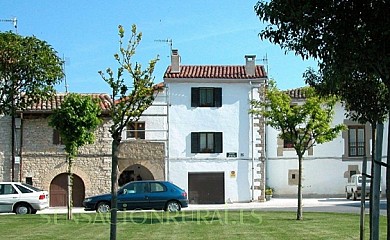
[
  {"x": 365, "y": 97},
  {"x": 130, "y": 99},
  {"x": 304, "y": 125},
  {"x": 269, "y": 190},
  {"x": 29, "y": 70},
  {"x": 348, "y": 38},
  {"x": 76, "y": 120}
]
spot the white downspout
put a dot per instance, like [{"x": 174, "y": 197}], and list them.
[
  {"x": 253, "y": 145},
  {"x": 167, "y": 97}
]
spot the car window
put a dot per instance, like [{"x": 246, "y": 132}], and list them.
[
  {"x": 7, "y": 189},
  {"x": 136, "y": 187},
  {"x": 32, "y": 187},
  {"x": 141, "y": 187},
  {"x": 128, "y": 188},
  {"x": 23, "y": 189},
  {"x": 157, "y": 187}
]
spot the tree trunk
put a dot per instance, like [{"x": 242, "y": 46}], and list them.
[
  {"x": 373, "y": 148},
  {"x": 375, "y": 184},
  {"x": 388, "y": 182},
  {"x": 70, "y": 186},
  {"x": 114, "y": 186},
  {"x": 299, "y": 210}
]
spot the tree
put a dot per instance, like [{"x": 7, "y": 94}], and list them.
[
  {"x": 129, "y": 102},
  {"x": 303, "y": 125},
  {"x": 29, "y": 69},
  {"x": 347, "y": 37},
  {"x": 76, "y": 119},
  {"x": 369, "y": 105},
  {"x": 348, "y": 34}
]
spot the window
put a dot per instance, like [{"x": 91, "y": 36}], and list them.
[
  {"x": 29, "y": 180},
  {"x": 57, "y": 138},
  {"x": 206, "y": 97},
  {"x": 351, "y": 173},
  {"x": 288, "y": 144},
  {"x": 356, "y": 141},
  {"x": 206, "y": 142},
  {"x": 136, "y": 130}
]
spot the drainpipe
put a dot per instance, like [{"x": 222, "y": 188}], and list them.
[
  {"x": 252, "y": 144},
  {"x": 13, "y": 145},
  {"x": 21, "y": 148},
  {"x": 167, "y": 99}
]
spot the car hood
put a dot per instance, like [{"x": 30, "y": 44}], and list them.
[{"x": 106, "y": 196}]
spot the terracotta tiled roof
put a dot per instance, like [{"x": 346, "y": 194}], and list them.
[
  {"x": 47, "y": 106},
  {"x": 210, "y": 71}
]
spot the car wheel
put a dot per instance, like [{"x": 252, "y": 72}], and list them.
[
  {"x": 172, "y": 206},
  {"x": 103, "y": 207},
  {"x": 348, "y": 196},
  {"x": 23, "y": 208},
  {"x": 355, "y": 196}
]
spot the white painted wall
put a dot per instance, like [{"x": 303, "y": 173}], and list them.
[
  {"x": 232, "y": 119},
  {"x": 323, "y": 172},
  {"x": 155, "y": 118}
]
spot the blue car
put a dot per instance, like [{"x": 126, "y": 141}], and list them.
[{"x": 159, "y": 195}]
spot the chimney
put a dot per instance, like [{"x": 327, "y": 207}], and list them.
[
  {"x": 250, "y": 65},
  {"x": 175, "y": 61}
]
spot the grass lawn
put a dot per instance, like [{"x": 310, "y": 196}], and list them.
[{"x": 218, "y": 224}]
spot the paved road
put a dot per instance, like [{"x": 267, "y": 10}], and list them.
[{"x": 275, "y": 204}]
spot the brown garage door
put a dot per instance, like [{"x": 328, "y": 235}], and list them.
[
  {"x": 206, "y": 188},
  {"x": 58, "y": 189}
]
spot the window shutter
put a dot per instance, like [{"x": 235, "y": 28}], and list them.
[
  {"x": 194, "y": 97},
  {"x": 56, "y": 137},
  {"x": 194, "y": 142},
  {"x": 218, "y": 142},
  {"x": 218, "y": 97}
]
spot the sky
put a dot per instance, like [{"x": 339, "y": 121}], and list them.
[{"x": 85, "y": 34}]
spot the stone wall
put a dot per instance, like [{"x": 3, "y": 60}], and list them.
[
  {"x": 5, "y": 148},
  {"x": 148, "y": 154},
  {"x": 43, "y": 161}
]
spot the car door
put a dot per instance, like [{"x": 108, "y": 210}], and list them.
[
  {"x": 8, "y": 196},
  {"x": 158, "y": 195},
  {"x": 133, "y": 196}
]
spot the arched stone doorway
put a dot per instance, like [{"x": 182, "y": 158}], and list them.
[
  {"x": 133, "y": 173},
  {"x": 58, "y": 191}
]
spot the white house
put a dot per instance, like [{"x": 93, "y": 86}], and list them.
[
  {"x": 326, "y": 167},
  {"x": 214, "y": 147}
]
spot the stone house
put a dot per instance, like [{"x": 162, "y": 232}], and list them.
[{"x": 41, "y": 159}]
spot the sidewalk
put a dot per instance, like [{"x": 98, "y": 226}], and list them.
[{"x": 273, "y": 203}]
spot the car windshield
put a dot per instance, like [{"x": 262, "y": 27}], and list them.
[
  {"x": 32, "y": 187},
  {"x": 361, "y": 179}
]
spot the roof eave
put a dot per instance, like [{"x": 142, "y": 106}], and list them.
[{"x": 217, "y": 80}]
